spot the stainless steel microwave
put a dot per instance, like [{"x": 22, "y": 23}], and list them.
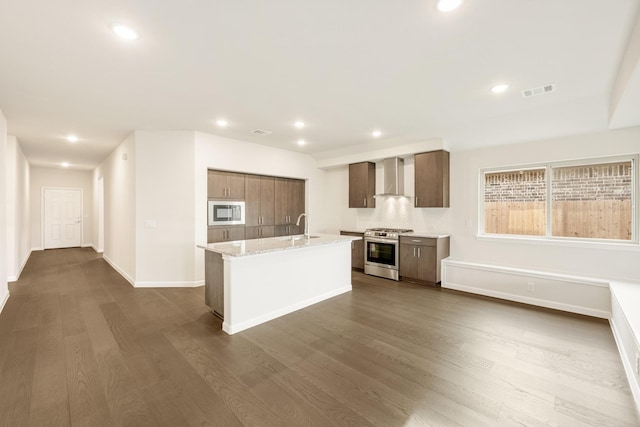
[{"x": 225, "y": 212}]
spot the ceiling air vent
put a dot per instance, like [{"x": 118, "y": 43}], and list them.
[
  {"x": 540, "y": 90},
  {"x": 261, "y": 132}
]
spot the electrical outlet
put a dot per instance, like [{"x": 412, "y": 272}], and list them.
[{"x": 531, "y": 287}]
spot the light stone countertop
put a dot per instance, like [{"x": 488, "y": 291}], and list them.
[
  {"x": 241, "y": 248},
  {"x": 425, "y": 235}
]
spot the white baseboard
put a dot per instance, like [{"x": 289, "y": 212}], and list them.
[
  {"x": 119, "y": 270},
  {"x": 95, "y": 249},
  {"x": 281, "y": 312},
  {"x": 17, "y": 275},
  {"x": 138, "y": 284},
  {"x": 194, "y": 284},
  {"x": 37, "y": 248},
  {"x": 541, "y": 288},
  {"x": 3, "y": 300}
]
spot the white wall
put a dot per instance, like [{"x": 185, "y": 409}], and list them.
[
  {"x": 18, "y": 225},
  {"x": 155, "y": 201},
  {"x": 118, "y": 173},
  {"x": 596, "y": 261},
  {"x": 59, "y": 178},
  {"x": 4, "y": 289},
  {"x": 164, "y": 210},
  {"x": 216, "y": 152}
]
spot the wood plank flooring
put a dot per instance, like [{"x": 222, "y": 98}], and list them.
[{"x": 80, "y": 347}]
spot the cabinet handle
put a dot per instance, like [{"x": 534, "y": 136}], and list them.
[
  {"x": 414, "y": 251},
  {"x": 417, "y": 241},
  {"x": 416, "y": 201},
  {"x": 419, "y": 253},
  {"x": 365, "y": 202}
]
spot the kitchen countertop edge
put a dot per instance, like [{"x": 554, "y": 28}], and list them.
[
  {"x": 425, "y": 235},
  {"x": 242, "y": 248}
]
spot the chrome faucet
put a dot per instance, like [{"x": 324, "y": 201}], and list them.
[{"x": 306, "y": 224}]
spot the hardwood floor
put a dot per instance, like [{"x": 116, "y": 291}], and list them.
[{"x": 79, "y": 346}]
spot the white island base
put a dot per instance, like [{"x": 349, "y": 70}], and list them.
[{"x": 264, "y": 279}]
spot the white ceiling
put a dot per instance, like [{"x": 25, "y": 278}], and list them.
[{"x": 343, "y": 67}]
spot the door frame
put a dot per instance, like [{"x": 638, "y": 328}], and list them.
[
  {"x": 100, "y": 248},
  {"x": 42, "y": 231}
]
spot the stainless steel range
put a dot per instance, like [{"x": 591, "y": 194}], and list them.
[{"x": 381, "y": 252}]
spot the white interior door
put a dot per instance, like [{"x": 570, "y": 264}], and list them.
[{"x": 62, "y": 218}]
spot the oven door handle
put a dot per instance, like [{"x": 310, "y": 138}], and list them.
[{"x": 374, "y": 240}]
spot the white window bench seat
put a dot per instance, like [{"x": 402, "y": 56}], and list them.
[{"x": 625, "y": 324}]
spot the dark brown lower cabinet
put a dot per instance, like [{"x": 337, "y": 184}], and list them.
[
  {"x": 420, "y": 258},
  {"x": 357, "y": 250},
  {"x": 225, "y": 234},
  {"x": 259, "y": 232}
]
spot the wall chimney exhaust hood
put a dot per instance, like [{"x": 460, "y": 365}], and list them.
[{"x": 393, "y": 177}]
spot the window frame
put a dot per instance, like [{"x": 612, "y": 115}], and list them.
[{"x": 548, "y": 167}]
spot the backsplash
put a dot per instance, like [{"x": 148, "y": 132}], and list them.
[{"x": 398, "y": 212}]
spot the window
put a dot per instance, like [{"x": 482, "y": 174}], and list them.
[{"x": 577, "y": 200}]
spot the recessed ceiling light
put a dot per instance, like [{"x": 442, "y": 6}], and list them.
[
  {"x": 301, "y": 142},
  {"x": 299, "y": 124},
  {"x": 448, "y": 5},
  {"x": 125, "y": 32},
  {"x": 499, "y": 88},
  {"x": 376, "y": 133},
  {"x": 64, "y": 164},
  {"x": 222, "y": 123},
  {"x": 72, "y": 138}
]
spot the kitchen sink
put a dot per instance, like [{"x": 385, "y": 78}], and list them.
[{"x": 297, "y": 237}]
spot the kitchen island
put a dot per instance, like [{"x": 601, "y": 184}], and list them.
[{"x": 249, "y": 282}]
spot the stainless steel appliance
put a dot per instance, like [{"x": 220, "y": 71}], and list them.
[
  {"x": 225, "y": 212},
  {"x": 382, "y": 251}
]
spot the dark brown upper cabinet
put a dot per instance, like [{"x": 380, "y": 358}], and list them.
[
  {"x": 362, "y": 185},
  {"x": 432, "y": 179},
  {"x": 225, "y": 185}
]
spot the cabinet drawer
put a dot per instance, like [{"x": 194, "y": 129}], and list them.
[{"x": 418, "y": 241}]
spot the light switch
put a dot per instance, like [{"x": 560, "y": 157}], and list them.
[{"x": 149, "y": 223}]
